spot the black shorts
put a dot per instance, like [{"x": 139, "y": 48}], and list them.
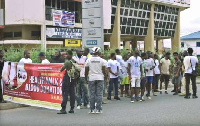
[{"x": 164, "y": 78}]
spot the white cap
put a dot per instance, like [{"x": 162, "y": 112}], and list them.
[{"x": 96, "y": 49}]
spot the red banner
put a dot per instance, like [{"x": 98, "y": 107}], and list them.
[{"x": 33, "y": 84}]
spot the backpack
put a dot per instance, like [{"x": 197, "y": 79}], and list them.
[{"x": 74, "y": 72}]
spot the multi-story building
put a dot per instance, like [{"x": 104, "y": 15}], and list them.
[{"x": 31, "y": 22}]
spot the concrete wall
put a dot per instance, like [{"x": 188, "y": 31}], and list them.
[
  {"x": 192, "y": 44},
  {"x": 24, "y": 12}
]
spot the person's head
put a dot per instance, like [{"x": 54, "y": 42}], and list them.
[
  {"x": 175, "y": 54},
  {"x": 149, "y": 54},
  {"x": 185, "y": 53},
  {"x": 1, "y": 53},
  {"x": 155, "y": 56},
  {"x": 96, "y": 51},
  {"x": 41, "y": 55},
  {"x": 144, "y": 56},
  {"x": 126, "y": 57},
  {"x": 113, "y": 56},
  {"x": 167, "y": 55},
  {"x": 117, "y": 51},
  {"x": 190, "y": 51},
  {"x": 86, "y": 51},
  {"x": 57, "y": 53},
  {"x": 78, "y": 53},
  {"x": 101, "y": 55},
  {"x": 69, "y": 54},
  {"x": 26, "y": 54},
  {"x": 137, "y": 53},
  {"x": 109, "y": 56}
]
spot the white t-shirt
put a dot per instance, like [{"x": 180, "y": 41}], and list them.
[
  {"x": 124, "y": 69},
  {"x": 135, "y": 65},
  {"x": 23, "y": 60},
  {"x": 95, "y": 65},
  {"x": 120, "y": 60},
  {"x": 149, "y": 63},
  {"x": 81, "y": 62},
  {"x": 156, "y": 69},
  {"x": 45, "y": 61},
  {"x": 193, "y": 61},
  {"x": 113, "y": 65}
]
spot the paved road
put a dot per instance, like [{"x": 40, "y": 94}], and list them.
[{"x": 162, "y": 110}]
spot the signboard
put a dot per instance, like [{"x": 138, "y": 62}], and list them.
[
  {"x": 63, "y": 18},
  {"x": 1, "y": 18},
  {"x": 72, "y": 43},
  {"x": 187, "y": 2},
  {"x": 66, "y": 33},
  {"x": 33, "y": 84},
  {"x": 92, "y": 17}
]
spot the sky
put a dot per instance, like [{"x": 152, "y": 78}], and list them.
[{"x": 190, "y": 20}]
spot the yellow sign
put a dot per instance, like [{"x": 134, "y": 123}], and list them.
[{"x": 72, "y": 43}]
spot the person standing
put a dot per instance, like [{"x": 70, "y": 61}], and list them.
[
  {"x": 95, "y": 69},
  {"x": 176, "y": 79},
  {"x": 190, "y": 70},
  {"x": 57, "y": 58},
  {"x": 135, "y": 72},
  {"x": 143, "y": 77},
  {"x": 68, "y": 86},
  {"x": 2, "y": 60},
  {"x": 113, "y": 69},
  {"x": 87, "y": 53},
  {"x": 165, "y": 71},
  {"x": 157, "y": 74},
  {"x": 149, "y": 69},
  {"x": 43, "y": 58},
  {"x": 81, "y": 87},
  {"x": 26, "y": 58}
]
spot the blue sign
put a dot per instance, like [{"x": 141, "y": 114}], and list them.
[{"x": 91, "y": 42}]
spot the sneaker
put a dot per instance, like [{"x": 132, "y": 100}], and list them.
[
  {"x": 166, "y": 92},
  {"x": 91, "y": 112},
  {"x": 187, "y": 97},
  {"x": 154, "y": 94},
  {"x": 117, "y": 98},
  {"x": 62, "y": 111},
  {"x": 132, "y": 101},
  {"x": 140, "y": 100},
  {"x": 194, "y": 96},
  {"x": 78, "y": 107},
  {"x": 143, "y": 98},
  {"x": 149, "y": 98},
  {"x": 182, "y": 94},
  {"x": 99, "y": 112},
  {"x": 175, "y": 93},
  {"x": 109, "y": 98},
  {"x": 71, "y": 111}
]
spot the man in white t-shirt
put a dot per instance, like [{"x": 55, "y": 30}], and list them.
[
  {"x": 81, "y": 88},
  {"x": 42, "y": 58},
  {"x": 149, "y": 69},
  {"x": 26, "y": 58},
  {"x": 188, "y": 74},
  {"x": 113, "y": 68},
  {"x": 157, "y": 74},
  {"x": 95, "y": 67},
  {"x": 135, "y": 71}
]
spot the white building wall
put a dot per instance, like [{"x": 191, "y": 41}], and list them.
[
  {"x": 191, "y": 44},
  {"x": 24, "y": 12}
]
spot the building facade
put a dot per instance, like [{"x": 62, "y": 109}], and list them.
[
  {"x": 31, "y": 22},
  {"x": 191, "y": 41}
]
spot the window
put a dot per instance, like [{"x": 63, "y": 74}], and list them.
[
  {"x": 35, "y": 33},
  {"x": 182, "y": 44},
  {"x": 8, "y": 35},
  {"x": 17, "y": 34},
  {"x": 198, "y": 44}
]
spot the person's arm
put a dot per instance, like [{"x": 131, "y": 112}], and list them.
[
  {"x": 178, "y": 71},
  {"x": 141, "y": 71},
  {"x": 104, "y": 70},
  {"x": 160, "y": 66},
  {"x": 86, "y": 73},
  {"x": 67, "y": 66},
  {"x": 110, "y": 71},
  {"x": 153, "y": 65}
]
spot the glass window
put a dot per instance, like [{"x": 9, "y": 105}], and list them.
[
  {"x": 132, "y": 30},
  {"x": 138, "y": 22},
  {"x": 114, "y": 10},
  {"x": 128, "y": 30},
  {"x": 148, "y": 14},
  {"x": 53, "y": 3},
  {"x": 198, "y": 44},
  {"x": 48, "y": 3},
  {"x": 131, "y": 13},
  {"x": 113, "y": 19},
  {"x": 126, "y": 12},
  {"x": 58, "y": 4},
  {"x": 145, "y": 31},
  {"x": 133, "y": 22},
  {"x": 8, "y": 34},
  {"x": 135, "y": 13},
  {"x": 137, "y": 31},
  {"x": 141, "y": 31},
  {"x": 146, "y": 23},
  {"x": 141, "y": 5},
  {"x": 129, "y": 21},
  {"x": 17, "y": 34},
  {"x": 124, "y": 21},
  {"x": 182, "y": 44},
  {"x": 35, "y": 33},
  {"x": 144, "y": 14},
  {"x": 140, "y": 14},
  {"x": 123, "y": 30},
  {"x": 136, "y": 5},
  {"x": 121, "y": 11}
]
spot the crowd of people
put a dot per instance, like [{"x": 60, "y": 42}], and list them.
[{"x": 133, "y": 75}]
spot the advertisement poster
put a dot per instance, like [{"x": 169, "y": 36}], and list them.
[
  {"x": 33, "y": 84},
  {"x": 63, "y": 18},
  {"x": 72, "y": 43}
]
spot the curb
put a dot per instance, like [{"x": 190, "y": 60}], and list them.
[{"x": 9, "y": 105}]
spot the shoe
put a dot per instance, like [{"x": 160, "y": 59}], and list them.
[
  {"x": 187, "y": 97},
  {"x": 182, "y": 94},
  {"x": 132, "y": 101},
  {"x": 117, "y": 98},
  {"x": 103, "y": 102},
  {"x": 194, "y": 96},
  {"x": 62, "y": 112},
  {"x": 147, "y": 95},
  {"x": 99, "y": 112},
  {"x": 175, "y": 93},
  {"x": 78, "y": 107},
  {"x": 149, "y": 98},
  {"x": 143, "y": 98},
  {"x": 166, "y": 92},
  {"x": 91, "y": 112},
  {"x": 71, "y": 111},
  {"x": 160, "y": 92},
  {"x": 109, "y": 98},
  {"x": 154, "y": 94}
]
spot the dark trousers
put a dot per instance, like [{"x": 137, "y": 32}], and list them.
[
  {"x": 110, "y": 88},
  {"x": 1, "y": 93},
  {"x": 68, "y": 88},
  {"x": 189, "y": 77},
  {"x": 156, "y": 80}
]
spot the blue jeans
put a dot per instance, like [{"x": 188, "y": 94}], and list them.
[
  {"x": 82, "y": 91},
  {"x": 110, "y": 88}
]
